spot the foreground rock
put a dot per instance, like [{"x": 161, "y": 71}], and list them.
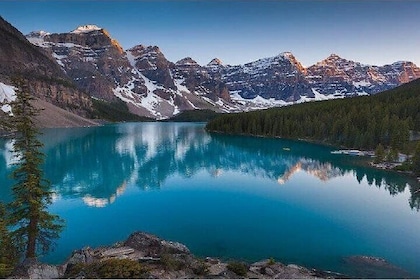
[{"x": 144, "y": 255}]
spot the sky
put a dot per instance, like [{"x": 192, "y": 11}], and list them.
[{"x": 237, "y": 32}]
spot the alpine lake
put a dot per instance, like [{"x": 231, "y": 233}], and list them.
[{"x": 231, "y": 197}]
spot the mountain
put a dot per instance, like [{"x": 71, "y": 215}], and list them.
[
  {"x": 18, "y": 57},
  {"x": 282, "y": 80},
  {"x": 337, "y": 76},
  {"x": 141, "y": 76},
  {"x": 85, "y": 68},
  {"x": 362, "y": 122},
  {"x": 277, "y": 80}
]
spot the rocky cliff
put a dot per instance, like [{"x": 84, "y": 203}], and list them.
[
  {"x": 142, "y": 77},
  {"x": 88, "y": 60},
  {"x": 18, "y": 57},
  {"x": 282, "y": 80}
]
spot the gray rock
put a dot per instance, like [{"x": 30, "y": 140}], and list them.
[
  {"x": 153, "y": 246},
  {"x": 31, "y": 269},
  {"x": 45, "y": 271}
]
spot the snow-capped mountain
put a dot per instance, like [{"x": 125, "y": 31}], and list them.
[
  {"x": 339, "y": 77},
  {"x": 155, "y": 87},
  {"x": 282, "y": 80},
  {"x": 141, "y": 76}
]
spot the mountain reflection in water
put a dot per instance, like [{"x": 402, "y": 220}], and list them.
[{"x": 97, "y": 164}]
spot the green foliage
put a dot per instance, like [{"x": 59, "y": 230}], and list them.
[
  {"x": 114, "y": 111},
  {"x": 404, "y": 167},
  {"x": 194, "y": 116},
  {"x": 8, "y": 252},
  {"x": 172, "y": 263},
  {"x": 392, "y": 155},
  {"x": 379, "y": 153},
  {"x": 34, "y": 227},
  {"x": 416, "y": 161},
  {"x": 200, "y": 268},
  {"x": 108, "y": 269},
  {"x": 359, "y": 122},
  {"x": 239, "y": 268},
  {"x": 271, "y": 261}
]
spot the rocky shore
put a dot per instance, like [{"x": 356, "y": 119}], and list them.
[{"x": 144, "y": 255}]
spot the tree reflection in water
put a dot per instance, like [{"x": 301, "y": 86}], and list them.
[{"x": 96, "y": 164}]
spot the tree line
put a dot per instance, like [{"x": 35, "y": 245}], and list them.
[{"x": 363, "y": 122}]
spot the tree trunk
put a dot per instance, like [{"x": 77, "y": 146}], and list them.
[{"x": 32, "y": 234}]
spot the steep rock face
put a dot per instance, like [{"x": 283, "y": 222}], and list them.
[
  {"x": 90, "y": 57},
  {"x": 46, "y": 78},
  {"x": 18, "y": 56},
  {"x": 280, "y": 78},
  {"x": 337, "y": 76},
  {"x": 151, "y": 62},
  {"x": 154, "y": 87},
  {"x": 142, "y": 77},
  {"x": 198, "y": 79}
]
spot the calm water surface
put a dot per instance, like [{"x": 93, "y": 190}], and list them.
[{"x": 225, "y": 196}]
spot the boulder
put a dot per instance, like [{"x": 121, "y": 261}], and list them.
[{"x": 153, "y": 246}]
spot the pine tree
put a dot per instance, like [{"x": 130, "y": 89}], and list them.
[
  {"x": 379, "y": 153},
  {"x": 8, "y": 252},
  {"x": 392, "y": 155},
  {"x": 34, "y": 227},
  {"x": 416, "y": 160}
]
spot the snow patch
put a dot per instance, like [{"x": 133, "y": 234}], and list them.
[
  {"x": 59, "y": 58},
  {"x": 362, "y": 84},
  {"x": 86, "y": 29},
  {"x": 7, "y": 95},
  {"x": 179, "y": 85}
]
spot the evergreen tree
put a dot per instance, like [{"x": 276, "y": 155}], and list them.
[
  {"x": 8, "y": 252},
  {"x": 34, "y": 227},
  {"x": 392, "y": 155},
  {"x": 379, "y": 153},
  {"x": 416, "y": 160}
]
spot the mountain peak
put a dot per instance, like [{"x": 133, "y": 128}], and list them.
[
  {"x": 215, "y": 62},
  {"x": 145, "y": 49},
  {"x": 86, "y": 29},
  {"x": 333, "y": 59},
  {"x": 38, "y": 34},
  {"x": 287, "y": 55},
  {"x": 187, "y": 61},
  {"x": 333, "y": 56}
]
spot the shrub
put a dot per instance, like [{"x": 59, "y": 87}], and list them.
[
  {"x": 200, "y": 268},
  {"x": 171, "y": 263},
  {"x": 239, "y": 268},
  {"x": 108, "y": 269}
]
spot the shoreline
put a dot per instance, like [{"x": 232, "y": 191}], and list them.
[{"x": 143, "y": 255}]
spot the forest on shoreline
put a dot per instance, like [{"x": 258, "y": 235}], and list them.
[{"x": 385, "y": 122}]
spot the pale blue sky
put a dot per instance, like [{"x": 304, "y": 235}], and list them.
[{"x": 371, "y": 32}]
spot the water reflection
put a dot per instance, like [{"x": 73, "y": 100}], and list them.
[{"x": 97, "y": 164}]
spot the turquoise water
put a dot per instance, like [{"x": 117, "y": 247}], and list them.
[{"x": 225, "y": 196}]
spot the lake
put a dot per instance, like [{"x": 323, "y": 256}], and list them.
[{"x": 232, "y": 197}]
